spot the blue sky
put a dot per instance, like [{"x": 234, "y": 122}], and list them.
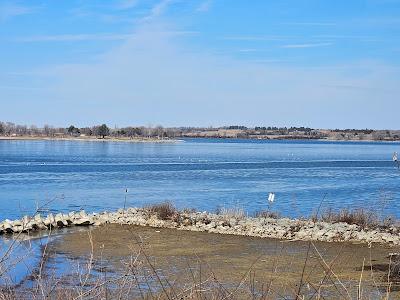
[{"x": 310, "y": 63}]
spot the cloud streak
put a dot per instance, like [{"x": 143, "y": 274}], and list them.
[
  {"x": 10, "y": 10},
  {"x": 127, "y": 4},
  {"x": 310, "y": 23},
  {"x": 258, "y": 38},
  {"x": 90, "y": 37},
  {"x": 204, "y": 6},
  {"x": 73, "y": 38},
  {"x": 158, "y": 9},
  {"x": 295, "y": 46}
]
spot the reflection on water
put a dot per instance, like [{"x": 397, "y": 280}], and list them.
[{"x": 21, "y": 255}]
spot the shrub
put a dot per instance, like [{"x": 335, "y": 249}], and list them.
[
  {"x": 164, "y": 211},
  {"x": 361, "y": 217}
]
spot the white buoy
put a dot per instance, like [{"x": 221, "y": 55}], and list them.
[{"x": 271, "y": 197}]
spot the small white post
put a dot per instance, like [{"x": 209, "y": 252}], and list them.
[{"x": 395, "y": 160}]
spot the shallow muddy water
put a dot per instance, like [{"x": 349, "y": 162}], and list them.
[{"x": 251, "y": 263}]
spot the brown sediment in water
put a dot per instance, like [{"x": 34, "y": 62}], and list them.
[{"x": 233, "y": 259}]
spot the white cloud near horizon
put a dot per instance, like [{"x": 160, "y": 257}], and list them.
[{"x": 153, "y": 77}]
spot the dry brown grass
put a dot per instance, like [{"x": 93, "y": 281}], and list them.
[
  {"x": 164, "y": 211},
  {"x": 361, "y": 217},
  {"x": 231, "y": 212},
  {"x": 267, "y": 214}
]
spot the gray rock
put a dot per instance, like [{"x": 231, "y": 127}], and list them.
[
  {"x": 16, "y": 223},
  {"x": 83, "y": 221},
  {"x": 37, "y": 218},
  {"x": 7, "y": 226},
  {"x": 60, "y": 221}
]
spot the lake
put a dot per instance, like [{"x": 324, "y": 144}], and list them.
[{"x": 198, "y": 173}]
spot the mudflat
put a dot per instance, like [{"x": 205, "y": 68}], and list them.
[{"x": 239, "y": 262}]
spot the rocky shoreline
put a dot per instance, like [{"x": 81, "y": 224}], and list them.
[{"x": 264, "y": 227}]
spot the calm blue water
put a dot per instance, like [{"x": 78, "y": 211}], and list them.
[{"x": 202, "y": 174}]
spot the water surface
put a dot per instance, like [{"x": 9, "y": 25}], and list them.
[{"x": 198, "y": 173}]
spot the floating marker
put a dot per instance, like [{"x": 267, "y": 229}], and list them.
[{"x": 271, "y": 197}]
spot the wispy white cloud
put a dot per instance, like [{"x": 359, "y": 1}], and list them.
[
  {"x": 360, "y": 38},
  {"x": 359, "y": 88},
  {"x": 86, "y": 13},
  {"x": 11, "y": 9},
  {"x": 127, "y": 4},
  {"x": 19, "y": 87},
  {"x": 90, "y": 37},
  {"x": 386, "y": 21},
  {"x": 310, "y": 23},
  {"x": 248, "y": 50},
  {"x": 22, "y": 74},
  {"x": 342, "y": 36},
  {"x": 258, "y": 38},
  {"x": 307, "y": 45},
  {"x": 204, "y": 6},
  {"x": 159, "y": 9},
  {"x": 74, "y": 37},
  {"x": 269, "y": 61}
]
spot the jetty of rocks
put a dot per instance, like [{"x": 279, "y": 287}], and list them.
[{"x": 264, "y": 227}]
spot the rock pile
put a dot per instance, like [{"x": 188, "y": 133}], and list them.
[
  {"x": 28, "y": 224},
  {"x": 283, "y": 228}
]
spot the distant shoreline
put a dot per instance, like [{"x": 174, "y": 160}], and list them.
[
  {"x": 87, "y": 139},
  {"x": 294, "y": 139},
  {"x": 170, "y": 140},
  {"x": 11, "y": 131}
]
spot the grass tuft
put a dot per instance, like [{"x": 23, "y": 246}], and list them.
[
  {"x": 231, "y": 212},
  {"x": 361, "y": 217},
  {"x": 267, "y": 214},
  {"x": 165, "y": 210}
]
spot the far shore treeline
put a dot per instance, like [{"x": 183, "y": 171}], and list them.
[{"x": 8, "y": 129}]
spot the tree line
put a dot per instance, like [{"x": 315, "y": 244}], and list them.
[
  {"x": 159, "y": 132},
  {"x": 11, "y": 129},
  {"x": 102, "y": 131}
]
